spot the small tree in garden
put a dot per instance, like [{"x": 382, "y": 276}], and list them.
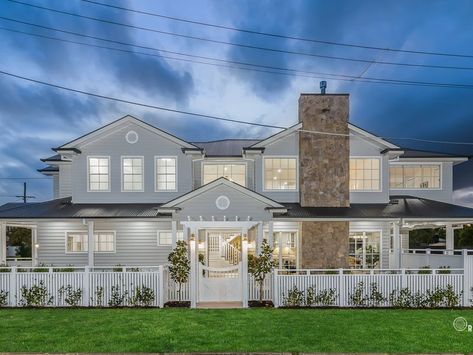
[
  {"x": 261, "y": 265},
  {"x": 180, "y": 265}
]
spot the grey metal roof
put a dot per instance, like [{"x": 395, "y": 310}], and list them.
[
  {"x": 49, "y": 169},
  {"x": 398, "y": 207},
  {"x": 225, "y": 147},
  {"x": 64, "y": 208},
  {"x": 415, "y": 153},
  {"x": 56, "y": 157}
]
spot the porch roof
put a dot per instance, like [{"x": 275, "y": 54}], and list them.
[
  {"x": 406, "y": 207},
  {"x": 64, "y": 208}
]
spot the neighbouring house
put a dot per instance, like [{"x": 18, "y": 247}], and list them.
[{"x": 125, "y": 193}]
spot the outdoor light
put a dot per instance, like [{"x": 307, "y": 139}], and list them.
[{"x": 36, "y": 246}]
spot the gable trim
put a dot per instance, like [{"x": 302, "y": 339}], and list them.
[
  {"x": 215, "y": 183},
  {"x": 275, "y": 137},
  {"x": 126, "y": 119},
  {"x": 371, "y": 137}
]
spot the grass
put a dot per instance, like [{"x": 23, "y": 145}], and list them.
[{"x": 255, "y": 330}]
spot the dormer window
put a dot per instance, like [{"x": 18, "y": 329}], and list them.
[{"x": 99, "y": 174}]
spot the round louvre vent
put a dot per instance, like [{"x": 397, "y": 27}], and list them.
[
  {"x": 222, "y": 202},
  {"x": 131, "y": 137}
]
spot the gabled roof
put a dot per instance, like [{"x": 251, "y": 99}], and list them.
[
  {"x": 221, "y": 181},
  {"x": 277, "y": 136},
  {"x": 371, "y": 137},
  {"x": 126, "y": 119}
]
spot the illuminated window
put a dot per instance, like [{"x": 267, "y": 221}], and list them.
[
  {"x": 165, "y": 237},
  {"x": 99, "y": 173},
  {"x": 364, "y": 250},
  {"x": 414, "y": 176},
  {"x": 166, "y": 174},
  {"x": 365, "y": 174},
  {"x": 233, "y": 172},
  {"x": 77, "y": 242},
  {"x": 285, "y": 249},
  {"x": 280, "y": 173},
  {"x": 132, "y": 169}
]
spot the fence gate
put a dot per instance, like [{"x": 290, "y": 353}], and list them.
[{"x": 220, "y": 284}]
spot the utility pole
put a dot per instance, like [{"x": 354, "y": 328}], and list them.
[{"x": 25, "y": 197}]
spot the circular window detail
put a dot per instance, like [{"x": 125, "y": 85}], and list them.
[
  {"x": 222, "y": 202},
  {"x": 131, "y": 137}
]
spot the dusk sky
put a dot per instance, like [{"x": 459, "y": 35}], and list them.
[{"x": 35, "y": 118}]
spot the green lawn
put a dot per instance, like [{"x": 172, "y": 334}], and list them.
[{"x": 259, "y": 330}]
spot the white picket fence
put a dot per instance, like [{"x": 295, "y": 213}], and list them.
[
  {"x": 344, "y": 282},
  {"x": 100, "y": 286}
]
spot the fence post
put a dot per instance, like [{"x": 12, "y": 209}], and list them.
[
  {"x": 341, "y": 288},
  {"x": 13, "y": 289},
  {"x": 467, "y": 279},
  {"x": 244, "y": 271},
  {"x": 86, "y": 286},
  {"x": 275, "y": 289},
  {"x": 161, "y": 286},
  {"x": 193, "y": 272},
  {"x": 403, "y": 278}
]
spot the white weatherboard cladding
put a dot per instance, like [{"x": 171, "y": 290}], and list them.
[
  {"x": 136, "y": 243},
  {"x": 241, "y": 206},
  {"x": 56, "y": 186},
  {"x": 362, "y": 148},
  {"x": 445, "y": 194},
  {"x": 288, "y": 147},
  {"x": 65, "y": 180},
  {"x": 115, "y": 145},
  {"x": 375, "y": 226}
]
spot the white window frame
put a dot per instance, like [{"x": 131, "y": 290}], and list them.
[
  {"x": 287, "y": 230},
  {"x": 75, "y": 232},
  {"x": 142, "y": 172},
  {"x": 95, "y": 233},
  {"x": 109, "y": 172},
  {"x": 156, "y": 157},
  {"x": 381, "y": 238},
  {"x": 440, "y": 164},
  {"x": 380, "y": 172},
  {"x": 168, "y": 231},
  {"x": 280, "y": 157},
  {"x": 223, "y": 162},
  {"x": 114, "y": 241}
]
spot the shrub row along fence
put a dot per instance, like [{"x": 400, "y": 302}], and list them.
[
  {"x": 87, "y": 287},
  {"x": 376, "y": 288},
  {"x": 152, "y": 287}
]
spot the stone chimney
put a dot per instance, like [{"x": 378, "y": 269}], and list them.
[{"x": 324, "y": 159}]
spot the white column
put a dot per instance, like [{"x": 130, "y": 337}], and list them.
[
  {"x": 449, "y": 238},
  {"x": 174, "y": 233},
  {"x": 185, "y": 233},
  {"x": 91, "y": 242},
  {"x": 396, "y": 246},
  {"x": 259, "y": 237},
  {"x": 34, "y": 237},
  {"x": 3, "y": 243},
  {"x": 270, "y": 233},
  {"x": 193, "y": 247},
  {"x": 280, "y": 246},
  {"x": 244, "y": 270}
]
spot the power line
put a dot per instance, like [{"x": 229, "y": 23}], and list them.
[
  {"x": 304, "y": 39},
  {"x": 208, "y": 116},
  {"x": 288, "y": 71},
  {"x": 241, "y": 45},
  {"x": 140, "y": 104},
  {"x": 25, "y": 178}
]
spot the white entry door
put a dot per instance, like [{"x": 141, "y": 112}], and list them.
[{"x": 220, "y": 284}]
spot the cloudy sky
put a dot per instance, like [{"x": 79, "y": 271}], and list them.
[{"x": 35, "y": 118}]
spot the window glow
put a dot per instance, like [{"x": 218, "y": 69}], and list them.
[
  {"x": 280, "y": 173},
  {"x": 233, "y": 172},
  {"x": 414, "y": 176},
  {"x": 99, "y": 174},
  {"x": 365, "y": 174},
  {"x": 132, "y": 168},
  {"x": 166, "y": 174},
  {"x": 165, "y": 237}
]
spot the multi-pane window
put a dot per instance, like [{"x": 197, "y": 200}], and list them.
[
  {"x": 280, "y": 173},
  {"x": 99, "y": 173},
  {"x": 105, "y": 242},
  {"x": 364, "y": 250},
  {"x": 166, "y": 174},
  {"x": 76, "y": 242},
  {"x": 233, "y": 172},
  {"x": 285, "y": 249},
  {"x": 414, "y": 176},
  {"x": 165, "y": 237},
  {"x": 132, "y": 170},
  {"x": 365, "y": 174}
]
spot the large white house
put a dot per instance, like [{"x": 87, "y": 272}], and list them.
[{"x": 324, "y": 193}]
